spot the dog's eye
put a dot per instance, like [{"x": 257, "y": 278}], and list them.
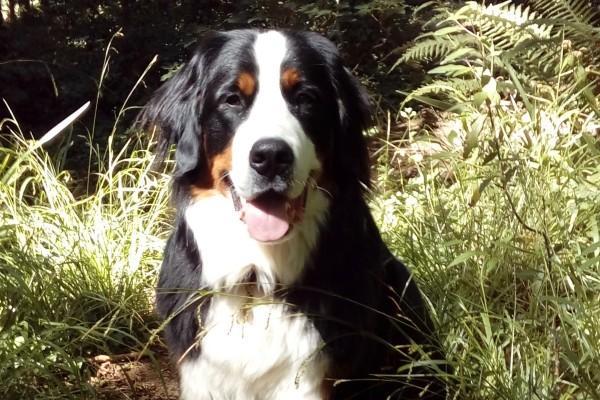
[
  {"x": 305, "y": 98},
  {"x": 233, "y": 100}
]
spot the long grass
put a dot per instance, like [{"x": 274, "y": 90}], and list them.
[
  {"x": 77, "y": 272},
  {"x": 500, "y": 222}
]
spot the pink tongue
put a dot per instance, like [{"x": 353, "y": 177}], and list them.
[{"x": 266, "y": 221}]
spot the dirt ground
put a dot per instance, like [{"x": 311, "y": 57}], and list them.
[{"x": 129, "y": 376}]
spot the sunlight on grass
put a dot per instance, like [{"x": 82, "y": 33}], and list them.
[
  {"x": 78, "y": 271},
  {"x": 502, "y": 231}
]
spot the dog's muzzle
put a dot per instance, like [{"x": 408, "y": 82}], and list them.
[{"x": 269, "y": 216}]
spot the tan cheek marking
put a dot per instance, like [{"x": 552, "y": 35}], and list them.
[
  {"x": 211, "y": 182},
  {"x": 219, "y": 165},
  {"x": 246, "y": 83},
  {"x": 199, "y": 193},
  {"x": 290, "y": 78}
]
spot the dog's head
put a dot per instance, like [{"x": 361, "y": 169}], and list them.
[{"x": 265, "y": 119}]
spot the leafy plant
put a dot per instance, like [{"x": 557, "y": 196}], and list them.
[
  {"x": 528, "y": 51},
  {"x": 500, "y": 216},
  {"x": 500, "y": 222}
]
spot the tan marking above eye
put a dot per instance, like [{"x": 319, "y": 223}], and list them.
[
  {"x": 290, "y": 78},
  {"x": 246, "y": 83}
]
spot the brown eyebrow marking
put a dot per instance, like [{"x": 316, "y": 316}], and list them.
[
  {"x": 246, "y": 83},
  {"x": 290, "y": 78}
]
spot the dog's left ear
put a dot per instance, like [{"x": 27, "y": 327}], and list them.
[
  {"x": 176, "y": 109},
  {"x": 355, "y": 118},
  {"x": 353, "y": 111}
]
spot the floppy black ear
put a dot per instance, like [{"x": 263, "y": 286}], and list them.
[
  {"x": 355, "y": 117},
  {"x": 354, "y": 113},
  {"x": 176, "y": 108}
]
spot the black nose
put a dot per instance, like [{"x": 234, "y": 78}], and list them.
[{"x": 271, "y": 157}]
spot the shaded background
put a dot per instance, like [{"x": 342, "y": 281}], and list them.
[{"x": 53, "y": 51}]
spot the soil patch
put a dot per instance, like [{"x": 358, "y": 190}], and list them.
[{"x": 130, "y": 376}]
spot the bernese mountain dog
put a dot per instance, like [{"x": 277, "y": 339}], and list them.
[{"x": 275, "y": 282}]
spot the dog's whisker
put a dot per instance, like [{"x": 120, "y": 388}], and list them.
[
  {"x": 322, "y": 189},
  {"x": 224, "y": 178}
]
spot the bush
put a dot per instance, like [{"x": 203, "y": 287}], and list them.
[{"x": 503, "y": 231}]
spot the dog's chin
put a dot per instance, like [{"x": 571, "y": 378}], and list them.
[{"x": 271, "y": 217}]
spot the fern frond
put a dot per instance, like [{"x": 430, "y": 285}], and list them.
[
  {"x": 544, "y": 44},
  {"x": 540, "y": 56},
  {"x": 577, "y": 20},
  {"x": 449, "y": 91},
  {"x": 435, "y": 47},
  {"x": 577, "y": 12},
  {"x": 504, "y": 24}
]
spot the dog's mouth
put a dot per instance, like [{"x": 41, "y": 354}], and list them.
[{"x": 270, "y": 216}]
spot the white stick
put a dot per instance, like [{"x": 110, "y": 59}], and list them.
[{"x": 62, "y": 125}]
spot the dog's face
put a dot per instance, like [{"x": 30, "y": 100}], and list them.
[{"x": 265, "y": 119}]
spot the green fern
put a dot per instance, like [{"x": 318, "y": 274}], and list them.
[
  {"x": 577, "y": 21},
  {"x": 434, "y": 48},
  {"x": 575, "y": 13},
  {"x": 504, "y": 22},
  {"x": 437, "y": 93},
  {"x": 524, "y": 47}
]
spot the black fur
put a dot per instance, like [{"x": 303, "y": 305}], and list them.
[{"x": 363, "y": 301}]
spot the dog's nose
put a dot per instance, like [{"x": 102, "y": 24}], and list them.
[{"x": 271, "y": 157}]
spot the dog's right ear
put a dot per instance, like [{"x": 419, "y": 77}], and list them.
[{"x": 175, "y": 111}]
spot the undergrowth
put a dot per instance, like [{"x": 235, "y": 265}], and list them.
[
  {"x": 77, "y": 271},
  {"x": 496, "y": 206},
  {"x": 505, "y": 238}
]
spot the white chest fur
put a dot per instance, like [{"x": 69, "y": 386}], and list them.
[
  {"x": 252, "y": 348},
  {"x": 263, "y": 352}
]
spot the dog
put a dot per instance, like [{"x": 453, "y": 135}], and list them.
[{"x": 275, "y": 282}]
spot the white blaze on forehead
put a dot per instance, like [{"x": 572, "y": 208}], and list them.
[
  {"x": 270, "y": 117},
  {"x": 270, "y": 49}
]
